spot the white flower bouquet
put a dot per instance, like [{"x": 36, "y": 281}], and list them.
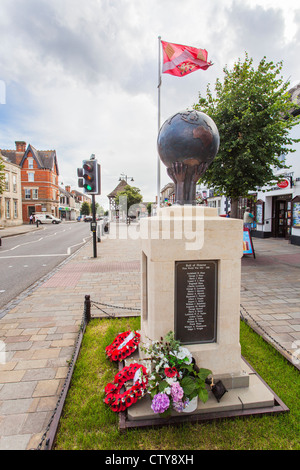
[{"x": 173, "y": 379}]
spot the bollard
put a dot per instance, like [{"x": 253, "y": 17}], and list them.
[{"x": 87, "y": 308}]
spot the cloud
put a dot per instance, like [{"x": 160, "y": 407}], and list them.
[{"x": 81, "y": 77}]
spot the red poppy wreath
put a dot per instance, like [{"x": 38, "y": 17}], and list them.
[
  {"x": 120, "y": 401},
  {"x": 123, "y": 345}
]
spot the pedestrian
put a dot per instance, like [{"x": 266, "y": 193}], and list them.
[
  {"x": 31, "y": 219},
  {"x": 248, "y": 218}
]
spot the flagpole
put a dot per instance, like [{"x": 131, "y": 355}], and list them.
[{"x": 158, "y": 103}]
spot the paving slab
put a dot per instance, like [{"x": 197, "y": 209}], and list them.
[{"x": 40, "y": 327}]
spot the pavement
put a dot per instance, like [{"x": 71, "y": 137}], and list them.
[
  {"x": 39, "y": 329},
  {"x": 18, "y": 230}
]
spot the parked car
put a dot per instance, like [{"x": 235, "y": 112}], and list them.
[
  {"x": 88, "y": 218},
  {"x": 46, "y": 219}
]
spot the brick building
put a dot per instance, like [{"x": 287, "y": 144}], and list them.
[
  {"x": 79, "y": 199},
  {"x": 39, "y": 179}
]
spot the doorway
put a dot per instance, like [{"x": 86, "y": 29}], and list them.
[
  {"x": 282, "y": 216},
  {"x": 31, "y": 210}
]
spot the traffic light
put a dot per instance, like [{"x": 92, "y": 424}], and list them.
[
  {"x": 89, "y": 177},
  {"x": 80, "y": 177}
]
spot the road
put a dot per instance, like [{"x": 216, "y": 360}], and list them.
[{"x": 24, "y": 259}]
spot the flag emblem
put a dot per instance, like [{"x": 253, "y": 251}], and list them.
[{"x": 181, "y": 60}]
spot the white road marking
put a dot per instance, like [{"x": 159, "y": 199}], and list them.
[
  {"x": 32, "y": 256},
  {"x": 72, "y": 246},
  {"x": 35, "y": 241},
  {"x": 46, "y": 255}
]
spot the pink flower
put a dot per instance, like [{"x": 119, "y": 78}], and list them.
[{"x": 176, "y": 391}]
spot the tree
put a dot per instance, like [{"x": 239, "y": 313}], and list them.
[
  {"x": 252, "y": 110},
  {"x": 85, "y": 208},
  {"x": 132, "y": 194},
  {"x": 149, "y": 208}
]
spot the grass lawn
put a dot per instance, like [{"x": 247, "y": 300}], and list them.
[{"x": 87, "y": 423}]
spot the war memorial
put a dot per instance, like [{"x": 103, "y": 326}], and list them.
[{"x": 190, "y": 283}]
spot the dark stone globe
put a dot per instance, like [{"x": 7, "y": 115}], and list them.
[{"x": 190, "y": 137}]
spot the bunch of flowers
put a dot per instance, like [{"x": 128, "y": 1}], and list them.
[
  {"x": 123, "y": 346},
  {"x": 173, "y": 380},
  {"x": 118, "y": 401},
  {"x": 199, "y": 199}
]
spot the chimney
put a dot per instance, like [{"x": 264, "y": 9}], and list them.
[
  {"x": 20, "y": 146},
  {"x": 68, "y": 188}
]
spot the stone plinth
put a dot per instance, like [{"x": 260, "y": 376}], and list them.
[{"x": 201, "y": 239}]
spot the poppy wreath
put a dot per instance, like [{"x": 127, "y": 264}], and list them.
[
  {"x": 120, "y": 401},
  {"x": 115, "y": 353}
]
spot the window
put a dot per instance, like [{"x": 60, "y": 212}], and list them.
[
  {"x": 31, "y": 176},
  {"x": 27, "y": 194},
  {"x": 30, "y": 163},
  {"x": 15, "y": 209},
  {"x": 14, "y": 183},
  {"x": 7, "y": 208},
  {"x": 35, "y": 194},
  {"x": 6, "y": 182}
]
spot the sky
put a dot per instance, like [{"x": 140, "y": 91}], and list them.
[{"x": 80, "y": 77}]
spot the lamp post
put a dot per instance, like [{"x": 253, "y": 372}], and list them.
[{"x": 125, "y": 177}]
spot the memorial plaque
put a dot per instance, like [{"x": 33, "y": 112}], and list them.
[{"x": 196, "y": 301}]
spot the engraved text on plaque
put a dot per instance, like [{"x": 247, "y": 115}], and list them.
[{"x": 196, "y": 301}]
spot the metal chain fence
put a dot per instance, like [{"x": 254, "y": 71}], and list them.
[{"x": 46, "y": 443}]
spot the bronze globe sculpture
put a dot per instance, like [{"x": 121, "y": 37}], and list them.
[{"x": 187, "y": 144}]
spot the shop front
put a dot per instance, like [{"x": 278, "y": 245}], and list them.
[
  {"x": 277, "y": 211},
  {"x": 67, "y": 213}
]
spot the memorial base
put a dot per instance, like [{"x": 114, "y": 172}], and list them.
[
  {"x": 256, "y": 399},
  {"x": 191, "y": 278}
]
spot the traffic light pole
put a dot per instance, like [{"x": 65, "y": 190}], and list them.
[
  {"x": 89, "y": 178},
  {"x": 94, "y": 226}
]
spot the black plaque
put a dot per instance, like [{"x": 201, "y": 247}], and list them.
[{"x": 196, "y": 301}]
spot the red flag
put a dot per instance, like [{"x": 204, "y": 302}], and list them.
[{"x": 181, "y": 60}]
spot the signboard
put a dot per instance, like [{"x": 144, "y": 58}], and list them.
[
  {"x": 247, "y": 243},
  {"x": 260, "y": 212},
  {"x": 196, "y": 287},
  {"x": 283, "y": 183},
  {"x": 296, "y": 212}
]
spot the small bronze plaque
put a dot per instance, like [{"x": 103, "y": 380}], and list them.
[{"x": 196, "y": 288}]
